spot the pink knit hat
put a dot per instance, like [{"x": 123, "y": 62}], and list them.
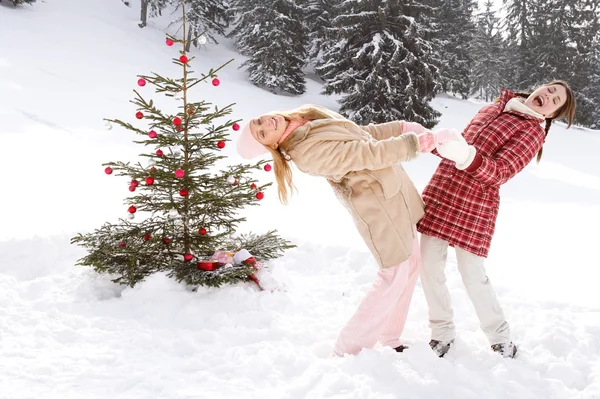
[{"x": 248, "y": 147}]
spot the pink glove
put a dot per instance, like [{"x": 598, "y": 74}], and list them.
[
  {"x": 444, "y": 135},
  {"x": 412, "y": 127},
  {"x": 426, "y": 142}
]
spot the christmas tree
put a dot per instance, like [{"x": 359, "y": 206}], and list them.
[{"x": 185, "y": 208}]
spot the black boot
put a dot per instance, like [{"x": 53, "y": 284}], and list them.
[
  {"x": 401, "y": 348},
  {"x": 440, "y": 348},
  {"x": 506, "y": 350}
]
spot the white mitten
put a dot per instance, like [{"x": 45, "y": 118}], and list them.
[
  {"x": 459, "y": 151},
  {"x": 444, "y": 134}
]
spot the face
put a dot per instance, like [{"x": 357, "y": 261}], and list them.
[
  {"x": 546, "y": 100},
  {"x": 268, "y": 129}
]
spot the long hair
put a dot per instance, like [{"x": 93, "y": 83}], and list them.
[
  {"x": 566, "y": 111},
  {"x": 282, "y": 167}
]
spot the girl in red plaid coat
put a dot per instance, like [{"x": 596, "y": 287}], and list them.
[{"x": 462, "y": 200}]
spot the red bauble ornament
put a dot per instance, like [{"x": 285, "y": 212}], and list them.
[
  {"x": 131, "y": 209},
  {"x": 208, "y": 265},
  {"x": 235, "y": 182},
  {"x": 268, "y": 168},
  {"x": 108, "y": 170},
  {"x": 169, "y": 42},
  {"x": 202, "y": 231},
  {"x": 152, "y": 134},
  {"x": 183, "y": 192},
  {"x": 191, "y": 111},
  {"x": 166, "y": 240},
  {"x": 221, "y": 144},
  {"x": 260, "y": 195},
  {"x": 188, "y": 257},
  {"x": 253, "y": 186},
  {"x": 149, "y": 180},
  {"x": 122, "y": 244},
  {"x": 132, "y": 188},
  {"x": 216, "y": 82},
  {"x": 134, "y": 183},
  {"x": 184, "y": 59},
  {"x": 179, "y": 173},
  {"x": 139, "y": 115},
  {"x": 179, "y": 128},
  {"x": 177, "y": 121},
  {"x": 141, "y": 82},
  {"x": 160, "y": 153},
  {"x": 147, "y": 237},
  {"x": 235, "y": 127}
]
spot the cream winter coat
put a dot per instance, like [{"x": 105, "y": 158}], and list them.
[{"x": 362, "y": 165}]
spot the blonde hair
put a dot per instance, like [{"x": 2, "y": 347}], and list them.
[{"x": 283, "y": 169}]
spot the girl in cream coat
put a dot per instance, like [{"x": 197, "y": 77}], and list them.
[{"x": 361, "y": 163}]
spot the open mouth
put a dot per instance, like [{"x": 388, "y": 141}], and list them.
[
  {"x": 539, "y": 101},
  {"x": 274, "y": 123}
]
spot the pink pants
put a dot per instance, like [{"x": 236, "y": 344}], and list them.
[{"x": 381, "y": 315}]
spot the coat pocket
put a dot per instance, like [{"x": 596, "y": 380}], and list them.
[{"x": 389, "y": 179}]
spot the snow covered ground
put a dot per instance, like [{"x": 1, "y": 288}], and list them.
[{"x": 66, "y": 332}]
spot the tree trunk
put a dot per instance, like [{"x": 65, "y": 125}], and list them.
[{"x": 144, "y": 14}]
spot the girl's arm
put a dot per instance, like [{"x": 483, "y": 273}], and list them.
[
  {"x": 326, "y": 158},
  {"x": 512, "y": 158},
  {"x": 504, "y": 164},
  {"x": 387, "y": 130}
]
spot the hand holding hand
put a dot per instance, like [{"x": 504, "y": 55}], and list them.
[
  {"x": 426, "y": 142},
  {"x": 454, "y": 147}
]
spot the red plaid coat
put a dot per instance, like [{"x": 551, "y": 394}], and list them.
[{"x": 461, "y": 206}]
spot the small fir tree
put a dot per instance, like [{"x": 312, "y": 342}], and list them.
[
  {"x": 184, "y": 207},
  {"x": 210, "y": 16}
]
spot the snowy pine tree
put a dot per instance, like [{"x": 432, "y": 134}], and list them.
[
  {"x": 152, "y": 7},
  {"x": 551, "y": 50},
  {"x": 320, "y": 14},
  {"x": 206, "y": 18},
  {"x": 381, "y": 63},
  {"x": 519, "y": 27},
  {"x": 271, "y": 33},
  {"x": 488, "y": 56},
  {"x": 243, "y": 25},
  {"x": 454, "y": 37},
  {"x": 584, "y": 34},
  {"x": 18, "y": 2}
]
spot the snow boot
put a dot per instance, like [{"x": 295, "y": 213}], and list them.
[
  {"x": 440, "y": 348},
  {"x": 506, "y": 350}
]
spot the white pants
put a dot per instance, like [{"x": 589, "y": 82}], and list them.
[{"x": 433, "y": 279}]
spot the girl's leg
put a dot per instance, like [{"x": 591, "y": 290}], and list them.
[
  {"x": 395, "y": 324},
  {"x": 434, "y": 252},
  {"x": 481, "y": 292},
  {"x": 368, "y": 322}
]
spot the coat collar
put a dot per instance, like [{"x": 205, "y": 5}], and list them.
[
  {"x": 303, "y": 131},
  {"x": 505, "y": 97}
]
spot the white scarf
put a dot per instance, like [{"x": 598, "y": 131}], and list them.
[{"x": 517, "y": 104}]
